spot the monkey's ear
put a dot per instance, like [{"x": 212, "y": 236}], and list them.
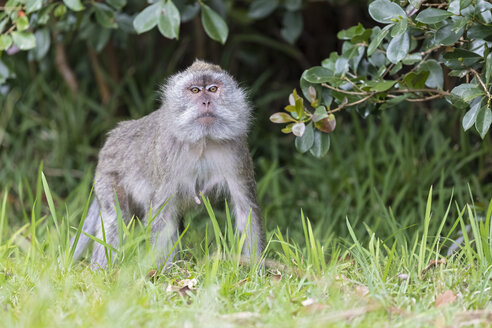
[{"x": 201, "y": 65}]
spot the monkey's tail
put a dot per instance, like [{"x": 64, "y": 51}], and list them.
[{"x": 90, "y": 225}]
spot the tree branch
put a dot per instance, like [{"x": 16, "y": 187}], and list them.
[
  {"x": 484, "y": 87},
  {"x": 64, "y": 68},
  {"x": 350, "y": 105},
  {"x": 98, "y": 73}
]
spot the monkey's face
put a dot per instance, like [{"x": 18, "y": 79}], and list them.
[{"x": 206, "y": 104}]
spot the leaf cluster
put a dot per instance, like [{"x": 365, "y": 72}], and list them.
[
  {"x": 32, "y": 25},
  {"x": 411, "y": 57}
]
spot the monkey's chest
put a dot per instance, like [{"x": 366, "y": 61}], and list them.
[{"x": 203, "y": 178}]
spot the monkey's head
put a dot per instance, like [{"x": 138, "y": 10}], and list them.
[{"x": 204, "y": 101}]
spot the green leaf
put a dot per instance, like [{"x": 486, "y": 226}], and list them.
[
  {"x": 33, "y": 5},
  {"x": 459, "y": 24},
  {"x": 467, "y": 91},
  {"x": 484, "y": 119},
  {"x": 327, "y": 124},
  {"x": 147, "y": 18},
  {"x": 460, "y": 58},
  {"x": 414, "y": 80},
  {"x": 454, "y": 7},
  {"x": 400, "y": 27},
  {"x": 471, "y": 115},
  {"x": 3, "y": 22},
  {"x": 480, "y": 32},
  {"x": 456, "y": 102},
  {"x": 304, "y": 143},
  {"x": 60, "y": 10},
  {"x": 44, "y": 15},
  {"x": 398, "y": 48},
  {"x": 488, "y": 69},
  {"x": 435, "y": 79},
  {"x": 117, "y": 4},
  {"x": 351, "y": 32},
  {"x": 24, "y": 40},
  {"x": 432, "y": 16},
  {"x": 416, "y": 3},
  {"x": 5, "y": 42},
  {"x": 22, "y": 23},
  {"x": 4, "y": 72},
  {"x": 321, "y": 144},
  {"x": 75, "y": 5},
  {"x": 293, "y": 5},
  {"x": 169, "y": 21},
  {"x": 262, "y": 8},
  {"x": 412, "y": 59},
  {"x": 318, "y": 74},
  {"x": 341, "y": 66},
  {"x": 43, "y": 43},
  {"x": 99, "y": 37},
  {"x": 214, "y": 25},
  {"x": 380, "y": 86},
  {"x": 445, "y": 36},
  {"x": 298, "y": 129},
  {"x": 378, "y": 39},
  {"x": 105, "y": 16},
  {"x": 385, "y": 11},
  {"x": 292, "y": 23},
  {"x": 288, "y": 128},
  {"x": 281, "y": 118},
  {"x": 319, "y": 114},
  {"x": 188, "y": 11}
]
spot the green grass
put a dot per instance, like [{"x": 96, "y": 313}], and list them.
[
  {"x": 355, "y": 283},
  {"x": 342, "y": 232}
]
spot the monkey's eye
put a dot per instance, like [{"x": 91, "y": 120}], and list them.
[
  {"x": 195, "y": 90},
  {"x": 213, "y": 88}
]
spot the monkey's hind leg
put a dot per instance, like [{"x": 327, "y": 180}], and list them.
[
  {"x": 107, "y": 228},
  {"x": 90, "y": 226}
]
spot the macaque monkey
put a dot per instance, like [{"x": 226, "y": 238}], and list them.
[{"x": 195, "y": 143}]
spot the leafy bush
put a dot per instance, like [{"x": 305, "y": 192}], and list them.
[
  {"x": 33, "y": 25},
  {"x": 423, "y": 51}
]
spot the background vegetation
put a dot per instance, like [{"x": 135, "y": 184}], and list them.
[{"x": 364, "y": 259}]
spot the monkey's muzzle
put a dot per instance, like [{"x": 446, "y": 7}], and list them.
[{"x": 207, "y": 118}]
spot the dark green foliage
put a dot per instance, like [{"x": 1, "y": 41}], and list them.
[{"x": 404, "y": 60}]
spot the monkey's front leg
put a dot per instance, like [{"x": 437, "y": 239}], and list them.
[
  {"x": 164, "y": 234},
  {"x": 243, "y": 197}
]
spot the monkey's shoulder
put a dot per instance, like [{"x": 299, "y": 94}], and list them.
[{"x": 128, "y": 139}]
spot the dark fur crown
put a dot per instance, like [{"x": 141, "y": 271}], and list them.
[{"x": 200, "y": 65}]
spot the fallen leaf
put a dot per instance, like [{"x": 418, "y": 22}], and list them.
[
  {"x": 152, "y": 275},
  {"x": 361, "y": 290},
  {"x": 402, "y": 276},
  {"x": 310, "y": 305},
  {"x": 308, "y": 302},
  {"x": 183, "y": 286},
  {"x": 445, "y": 298},
  {"x": 342, "y": 277},
  {"x": 276, "y": 276},
  {"x": 240, "y": 282},
  {"x": 432, "y": 263}
]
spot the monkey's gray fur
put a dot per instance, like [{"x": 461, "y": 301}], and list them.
[{"x": 196, "y": 142}]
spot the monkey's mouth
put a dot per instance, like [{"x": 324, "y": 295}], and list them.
[{"x": 207, "y": 118}]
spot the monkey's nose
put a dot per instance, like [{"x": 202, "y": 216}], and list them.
[{"x": 206, "y": 103}]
